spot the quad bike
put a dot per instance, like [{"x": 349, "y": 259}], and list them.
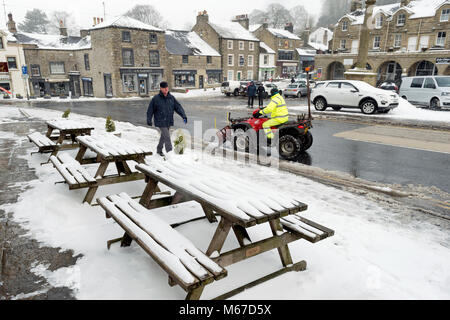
[{"x": 294, "y": 136}]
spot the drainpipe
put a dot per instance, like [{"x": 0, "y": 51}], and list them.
[{"x": 387, "y": 36}]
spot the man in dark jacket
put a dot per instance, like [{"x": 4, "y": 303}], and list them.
[
  {"x": 261, "y": 92},
  {"x": 162, "y": 107},
  {"x": 251, "y": 93}
]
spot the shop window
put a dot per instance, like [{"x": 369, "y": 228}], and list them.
[
  {"x": 57, "y": 68},
  {"x": 155, "y": 80},
  {"x": 126, "y": 36},
  {"x": 12, "y": 63},
  {"x": 153, "y": 38},
  {"x": 59, "y": 89},
  {"x": 128, "y": 57},
  {"x": 154, "y": 58},
  {"x": 129, "y": 82},
  {"x": 35, "y": 70},
  {"x": 214, "y": 77},
  {"x": 184, "y": 80}
]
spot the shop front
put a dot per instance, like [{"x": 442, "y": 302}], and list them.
[
  {"x": 288, "y": 69},
  {"x": 58, "y": 87},
  {"x": 265, "y": 74},
  {"x": 5, "y": 82},
  {"x": 214, "y": 77},
  {"x": 138, "y": 80},
  {"x": 184, "y": 78}
]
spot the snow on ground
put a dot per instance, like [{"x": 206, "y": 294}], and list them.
[
  {"x": 375, "y": 253},
  {"x": 405, "y": 111}
]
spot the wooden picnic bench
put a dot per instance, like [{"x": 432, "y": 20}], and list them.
[
  {"x": 186, "y": 265},
  {"x": 241, "y": 204},
  {"x": 109, "y": 149}
]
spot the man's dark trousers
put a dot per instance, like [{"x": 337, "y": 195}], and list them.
[{"x": 164, "y": 141}]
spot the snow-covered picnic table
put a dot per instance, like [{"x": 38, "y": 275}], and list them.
[
  {"x": 108, "y": 149},
  {"x": 67, "y": 128},
  {"x": 240, "y": 203}
]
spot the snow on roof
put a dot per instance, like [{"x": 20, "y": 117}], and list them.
[
  {"x": 233, "y": 30},
  {"x": 125, "y": 22},
  {"x": 318, "y": 46},
  {"x": 303, "y": 52},
  {"x": 188, "y": 43},
  {"x": 51, "y": 41},
  {"x": 281, "y": 33},
  {"x": 266, "y": 48},
  {"x": 254, "y": 27}
]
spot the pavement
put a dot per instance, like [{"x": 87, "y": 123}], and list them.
[{"x": 19, "y": 252}]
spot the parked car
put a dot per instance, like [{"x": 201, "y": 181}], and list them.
[
  {"x": 340, "y": 94},
  {"x": 269, "y": 86},
  {"x": 430, "y": 91},
  {"x": 297, "y": 89},
  {"x": 389, "y": 85},
  {"x": 231, "y": 88}
]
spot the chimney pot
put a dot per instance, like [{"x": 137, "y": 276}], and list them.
[
  {"x": 11, "y": 24},
  {"x": 94, "y": 22}
]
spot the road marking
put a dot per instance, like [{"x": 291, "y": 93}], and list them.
[{"x": 401, "y": 137}]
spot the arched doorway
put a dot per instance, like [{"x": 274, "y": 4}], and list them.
[
  {"x": 390, "y": 71},
  {"x": 336, "y": 71},
  {"x": 423, "y": 68}
]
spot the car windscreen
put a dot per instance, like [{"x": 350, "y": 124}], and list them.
[
  {"x": 443, "y": 82},
  {"x": 225, "y": 84},
  {"x": 292, "y": 86}
]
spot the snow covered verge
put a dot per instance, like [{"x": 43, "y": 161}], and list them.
[
  {"x": 375, "y": 253},
  {"x": 404, "y": 112}
]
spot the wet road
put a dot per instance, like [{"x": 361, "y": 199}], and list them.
[{"x": 385, "y": 162}]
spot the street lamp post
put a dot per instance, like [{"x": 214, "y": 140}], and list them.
[{"x": 360, "y": 71}]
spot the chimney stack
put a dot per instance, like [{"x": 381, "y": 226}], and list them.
[
  {"x": 202, "y": 17},
  {"x": 11, "y": 24},
  {"x": 265, "y": 24},
  {"x": 404, "y": 3},
  {"x": 243, "y": 20},
  {"x": 62, "y": 29},
  {"x": 289, "y": 27},
  {"x": 355, "y": 5},
  {"x": 84, "y": 33}
]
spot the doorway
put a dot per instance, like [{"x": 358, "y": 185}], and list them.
[
  {"x": 143, "y": 86},
  {"x": 108, "y": 85}
]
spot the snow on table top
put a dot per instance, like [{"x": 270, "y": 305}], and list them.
[
  {"x": 241, "y": 198},
  {"x": 68, "y": 125},
  {"x": 108, "y": 145}
]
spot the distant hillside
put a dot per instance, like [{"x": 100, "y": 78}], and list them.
[{"x": 333, "y": 10}]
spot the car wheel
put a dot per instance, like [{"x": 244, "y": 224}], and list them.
[
  {"x": 299, "y": 95},
  {"x": 306, "y": 141},
  {"x": 236, "y": 92},
  {"x": 289, "y": 147},
  {"x": 320, "y": 104},
  {"x": 369, "y": 107},
  {"x": 435, "y": 103},
  {"x": 228, "y": 94},
  {"x": 336, "y": 108},
  {"x": 241, "y": 141}
]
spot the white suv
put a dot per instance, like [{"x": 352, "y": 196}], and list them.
[{"x": 339, "y": 94}]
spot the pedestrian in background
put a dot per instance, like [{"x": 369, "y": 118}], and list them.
[
  {"x": 261, "y": 93},
  {"x": 251, "y": 92},
  {"x": 162, "y": 108}
]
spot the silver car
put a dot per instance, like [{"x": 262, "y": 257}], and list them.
[{"x": 297, "y": 89}]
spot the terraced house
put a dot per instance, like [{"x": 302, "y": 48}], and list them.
[
  {"x": 407, "y": 38},
  {"x": 238, "y": 47},
  {"x": 286, "y": 46}
]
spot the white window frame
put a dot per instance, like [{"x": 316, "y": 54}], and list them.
[
  {"x": 250, "y": 75},
  {"x": 241, "y": 45},
  {"x": 230, "y": 72},
  {"x": 239, "y": 61},
  {"x": 379, "y": 21},
  {"x": 345, "y": 25},
  {"x": 397, "y": 41},
  {"x": 250, "y": 59},
  {"x": 445, "y": 14},
  {"x": 404, "y": 19},
  {"x": 230, "y": 44},
  {"x": 438, "y": 43},
  {"x": 424, "y": 42},
  {"x": 343, "y": 41},
  {"x": 266, "y": 57},
  {"x": 251, "y": 46},
  {"x": 232, "y": 60},
  {"x": 375, "y": 41}
]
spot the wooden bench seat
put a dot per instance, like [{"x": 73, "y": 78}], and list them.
[
  {"x": 187, "y": 266},
  {"x": 73, "y": 173},
  {"x": 307, "y": 229},
  {"x": 44, "y": 144}
]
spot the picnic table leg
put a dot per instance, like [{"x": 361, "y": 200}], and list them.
[
  {"x": 241, "y": 234},
  {"x": 62, "y": 135},
  {"x": 150, "y": 189},
  {"x": 219, "y": 237},
  {"x": 195, "y": 293},
  {"x": 209, "y": 213},
  {"x": 102, "y": 169},
  {"x": 81, "y": 153},
  {"x": 90, "y": 195},
  {"x": 284, "y": 252},
  {"x": 126, "y": 241},
  {"x": 49, "y": 132}
]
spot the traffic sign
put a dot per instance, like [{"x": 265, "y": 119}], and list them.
[{"x": 24, "y": 70}]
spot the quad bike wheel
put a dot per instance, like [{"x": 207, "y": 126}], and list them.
[
  {"x": 306, "y": 141},
  {"x": 289, "y": 147}
]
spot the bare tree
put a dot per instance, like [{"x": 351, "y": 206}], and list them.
[
  {"x": 278, "y": 16},
  {"x": 258, "y": 17},
  {"x": 147, "y": 14},
  {"x": 67, "y": 19}
]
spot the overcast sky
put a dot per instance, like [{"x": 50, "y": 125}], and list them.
[{"x": 177, "y": 12}]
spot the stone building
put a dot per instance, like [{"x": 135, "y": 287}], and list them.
[
  {"x": 237, "y": 46},
  {"x": 12, "y": 59},
  {"x": 407, "y": 38},
  {"x": 193, "y": 63},
  {"x": 284, "y": 42}
]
